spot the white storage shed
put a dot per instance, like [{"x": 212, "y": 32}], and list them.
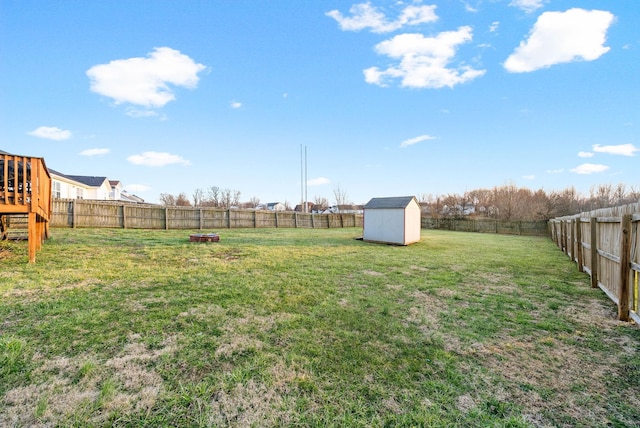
[{"x": 394, "y": 220}]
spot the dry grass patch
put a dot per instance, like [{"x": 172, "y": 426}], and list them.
[{"x": 66, "y": 388}]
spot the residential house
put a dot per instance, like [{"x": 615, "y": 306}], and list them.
[
  {"x": 346, "y": 209},
  {"x": 272, "y": 206},
  {"x": 310, "y": 207},
  {"x": 64, "y": 186}
]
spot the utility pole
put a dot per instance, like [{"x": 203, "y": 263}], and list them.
[
  {"x": 303, "y": 179},
  {"x": 306, "y": 195}
]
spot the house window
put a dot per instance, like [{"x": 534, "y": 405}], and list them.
[
  {"x": 79, "y": 193},
  {"x": 55, "y": 189}
]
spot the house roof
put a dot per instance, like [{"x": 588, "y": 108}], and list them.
[
  {"x": 392, "y": 202},
  {"x": 88, "y": 180}
]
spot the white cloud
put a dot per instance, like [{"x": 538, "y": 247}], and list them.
[
  {"x": 555, "y": 171},
  {"x": 50, "y": 133},
  {"x": 415, "y": 140},
  {"x": 527, "y": 5},
  {"x": 585, "y": 154},
  {"x": 94, "y": 152},
  {"x": 622, "y": 149},
  {"x": 364, "y": 16},
  {"x": 423, "y": 61},
  {"x": 469, "y": 8},
  {"x": 235, "y": 104},
  {"x": 157, "y": 159},
  {"x": 145, "y": 81},
  {"x": 318, "y": 181},
  {"x": 494, "y": 26},
  {"x": 559, "y": 37},
  {"x": 589, "y": 168},
  {"x": 137, "y": 188},
  {"x": 137, "y": 113},
  {"x": 529, "y": 177}
]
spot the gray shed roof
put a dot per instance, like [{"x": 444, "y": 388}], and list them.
[{"x": 393, "y": 202}]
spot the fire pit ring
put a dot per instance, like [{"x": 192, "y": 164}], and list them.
[{"x": 204, "y": 237}]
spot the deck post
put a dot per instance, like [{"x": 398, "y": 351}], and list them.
[{"x": 33, "y": 238}]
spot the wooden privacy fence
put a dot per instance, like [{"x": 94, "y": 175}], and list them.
[
  {"x": 606, "y": 244},
  {"x": 504, "y": 227},
  {"x": 84, "y": 213}
]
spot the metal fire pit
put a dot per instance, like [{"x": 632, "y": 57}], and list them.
[{"x": 204, "y": 237}]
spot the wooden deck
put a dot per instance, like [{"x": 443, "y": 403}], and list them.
[{"x": 25, "y": 189}]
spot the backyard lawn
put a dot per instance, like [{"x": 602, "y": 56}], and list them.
[{"x": 298, "y": 327}]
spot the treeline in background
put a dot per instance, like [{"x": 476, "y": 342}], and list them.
[{"x": 510, "y": 202}]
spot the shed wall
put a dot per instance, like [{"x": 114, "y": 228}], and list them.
[
  {"x": 384, "y": 225},
  {"x": 413, "y": 223}
]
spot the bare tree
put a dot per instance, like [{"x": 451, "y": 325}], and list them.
[
  {"x": 235, "y": 199},
  {"x": 197, "y": 197},
  {"x": 320, "y": 202},
  {"x": 601, "y": 195},
  {"x": 213, "y": 196},
  {"x": 182, "y": 200},
  {"x": 254, "y": 201},
  {"x": 340, "y": 195},
  {"x": 167, "y": 199}
]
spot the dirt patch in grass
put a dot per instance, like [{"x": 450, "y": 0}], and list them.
[
  {"x": 80, "y": 388},
  {"x": 5, "y": 254},
  {"x": 548, "y": 374},
  {"x": 372, "y": 273},
  {"x": 261, "y": 403},
  {"x": 28, "y": 295}
]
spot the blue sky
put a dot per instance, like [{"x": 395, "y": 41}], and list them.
[{"x": 389, "y": 98}]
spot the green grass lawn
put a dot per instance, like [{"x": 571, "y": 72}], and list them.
[{"x": 293, "y": 327}]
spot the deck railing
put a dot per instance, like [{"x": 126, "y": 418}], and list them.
[{"x": 25, "y": 188}]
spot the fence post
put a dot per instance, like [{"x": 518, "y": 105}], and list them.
[
  {"x": 572, "y": 226},
  {"x": 255, "y": 220},
  {"x": 229, "y": 218},
  {"x": 625, "y": 267},
  {"x": 579, "y": 255},
  {"x": 200, "y": 218},
  {"x": 124, "y": 216},
  {"x": 295, "y": 220},
  {"x": 166, "y": 218},
  {"x": 74, "y": 215},
  {"x": 276, "y": 215},
  {"x": 594, "y": 252}
]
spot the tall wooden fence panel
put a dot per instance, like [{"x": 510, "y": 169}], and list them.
[
  {"x": 606, "y": 244},
  {"x": 113, "y": 214}
]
